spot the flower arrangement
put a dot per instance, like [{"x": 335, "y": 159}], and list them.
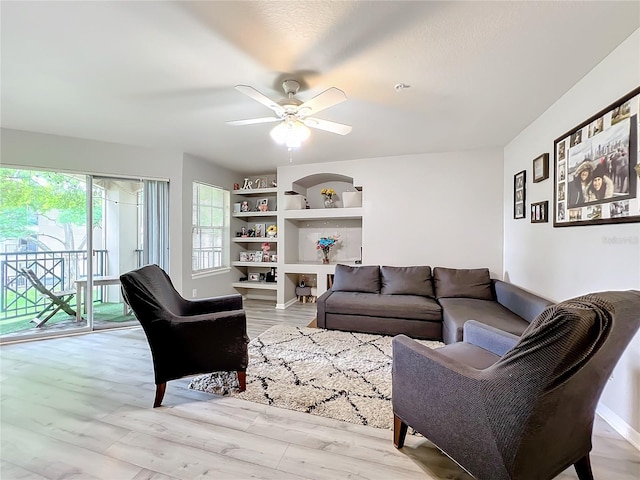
[
  {"x": 272, "y": 231},
  {"x": 327, "y": 193},
  {"x": 325, "y": 244}
]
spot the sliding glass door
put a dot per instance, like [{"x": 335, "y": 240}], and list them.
[{"x": 59, "y": 272}]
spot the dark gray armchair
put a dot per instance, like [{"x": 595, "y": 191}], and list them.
[
  {"x": 524, "y": 410},
  {"x": 186, "y": 337}
]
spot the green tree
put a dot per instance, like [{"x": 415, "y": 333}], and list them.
[{"x": 26, "y": 195}]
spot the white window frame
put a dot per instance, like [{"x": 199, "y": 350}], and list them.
[{"x": 219, "y": 258}]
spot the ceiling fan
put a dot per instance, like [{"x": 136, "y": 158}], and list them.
[{"x": 295, "y": 116}]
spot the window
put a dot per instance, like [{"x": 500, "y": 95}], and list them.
[{"x": 210, "y": 228}]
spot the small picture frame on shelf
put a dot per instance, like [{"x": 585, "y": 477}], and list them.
[
  {"x": 257, "y": 256},
  {"x": 244, "y": 257},
  {"x": 540, "y": 212},
  {"x": 262, "y": 205},
  {"x": 254, "y": 276},
  {"x": 259, "y": 230},
  {"x": 541, "y": 168}
]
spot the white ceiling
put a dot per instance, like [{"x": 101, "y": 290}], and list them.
[{"x": 161, "y": 74}]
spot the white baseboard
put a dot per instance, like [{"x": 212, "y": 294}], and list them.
[
  {"x": 280, "y": 306},
  {"x": 619, "y": 425}
]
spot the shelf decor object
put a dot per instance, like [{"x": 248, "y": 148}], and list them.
[
  {"x": 325, "y": 244},
  {"x": 519, "y": 185},
  {"x": 328, "y": 194},
  {"x": 594, "y": 168},
  {"x": 541, "y": 168}
]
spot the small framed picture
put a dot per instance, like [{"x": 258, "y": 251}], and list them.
[
  {"x": 257, "y": 256},
  {"x": 254, "y": 276},
  {"x": 262, "y": 205},
  {"x": 519, "y": 194},
  {"x": 540, "y": 212},
  {"x": 541, "y": 168},
  {"x": 259, "y": 230},
  {"x": 244, "y": 257}
]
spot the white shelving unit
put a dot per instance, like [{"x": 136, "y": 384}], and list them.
[
  {"x": 251, "y": 245},
  {"x": 300, "y": 228}
]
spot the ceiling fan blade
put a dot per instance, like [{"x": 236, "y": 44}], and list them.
[
  {"x": 259, "y": 97},
  {"x": 326, "y": 99},
  {"x": 252, "y": 121},
  {"x": 333, "y": 127}
]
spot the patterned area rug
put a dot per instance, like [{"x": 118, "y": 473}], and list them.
[{"x": 341, "y": 375}]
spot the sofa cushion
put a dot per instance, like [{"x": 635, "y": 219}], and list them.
[
  {"x": 356, "y": 279},
  {"x": 389, "y": 306},
  {"x": 406, "y": 281},
  {"x": 456, "y": 311},
  {"x": 462, "y": 283}
]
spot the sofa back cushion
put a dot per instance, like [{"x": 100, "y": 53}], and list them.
[
  {"x": 462, "y": 283},
  {"x": 406, "y": 281},
  {"x": 364, "y": 279}
]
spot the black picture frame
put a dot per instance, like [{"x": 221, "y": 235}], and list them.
[
  {"x": 594, "y": 168},
  {"x": 540, "y": 168},
  {"x": 519, "y": 194},
  {"x": 540, "y": 212}
]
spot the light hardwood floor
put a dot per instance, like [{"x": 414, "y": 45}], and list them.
[{"x": 80, "y": 408}]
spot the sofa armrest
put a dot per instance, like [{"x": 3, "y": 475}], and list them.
[
  {"x": 490, "y": 338},
  {"x": 524, "y": 304},
  {"x": 222, "y": 303},
  {"x": 424, "y": 376},
  {"x": 321, "y": 310}
]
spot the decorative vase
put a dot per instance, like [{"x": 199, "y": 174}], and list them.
[
  {"x": 328, "y": 203},
  {"x": 325, "y": 256}
]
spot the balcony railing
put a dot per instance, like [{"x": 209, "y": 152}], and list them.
[{"x": 57, "y": 270}]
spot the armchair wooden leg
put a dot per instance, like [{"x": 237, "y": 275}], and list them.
[
  {"x": 242, "y": 380},
  {"x": 160, "y": 388},
  {"x": 399, "y": 432},
  {"x": 583, "y": 468}
]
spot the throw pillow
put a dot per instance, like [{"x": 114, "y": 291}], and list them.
[
  {"x": 458, "y": 282},
  {"x": 356, "y": 279},
  {"x": 406, "y": 281}
]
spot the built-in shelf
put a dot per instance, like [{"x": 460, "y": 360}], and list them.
[
  {"x": 238, "y": 263},
  {"x": 255, "y": 191},
  {"x": 255, "y": 239},
  {"x": 322, "y": 213},
  {"x": 271, "y": 213},
  {"x": 313, "y": 267},
  {"x": 257, "y": 285}
]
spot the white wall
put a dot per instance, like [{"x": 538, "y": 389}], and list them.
[
  {"x": 66, "y": 154},
  {"x": 441, "y": 209},
  {"x": 560, "y": 263}
]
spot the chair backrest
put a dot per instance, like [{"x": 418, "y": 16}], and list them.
[
  {"x": 150, "y": 293},
  {"x": 35, "y": 281},
  {"x": 551, "y": 380}
]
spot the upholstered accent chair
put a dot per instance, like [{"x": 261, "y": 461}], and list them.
[
  {"x": 507, "y": 407},
  {"x": 186, "y": 337}
]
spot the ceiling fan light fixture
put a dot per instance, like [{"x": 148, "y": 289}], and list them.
[{"x": 291, "y": 133}]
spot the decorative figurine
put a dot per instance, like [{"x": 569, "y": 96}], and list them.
[{"x": 244, "y": 207}]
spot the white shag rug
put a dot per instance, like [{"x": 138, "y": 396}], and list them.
[{"x": 341, "y": 375}]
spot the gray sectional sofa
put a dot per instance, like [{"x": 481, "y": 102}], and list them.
[{"x": 411, "y": 301}]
